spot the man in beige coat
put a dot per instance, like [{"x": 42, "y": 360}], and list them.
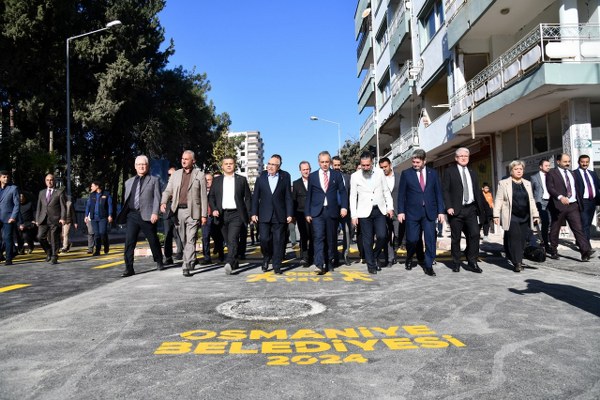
[{"x": 187, "y": 191}]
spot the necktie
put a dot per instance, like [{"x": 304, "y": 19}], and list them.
[
  {"x": 136, "y": 198},
  {"x": 421, "y": 180},
  {"x": 48, "y": 195},
  {"x": 589, "y": 184},
  {"x": 325, "y": 180},
  {"x": 465, "y": 186},
  {"x": 569, "y": 193}
]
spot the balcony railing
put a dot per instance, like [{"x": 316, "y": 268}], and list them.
[
  {"x": 396, "y": 19},
  {"x": 368, "y": 125},
  {"x": 364, "y": 36},
  {"x": 405, "y": 142},
  {"x": 370, "y": 74},
  {"x": 547, "y": 43},
  {"x": 401, "y": 77},
  {"x": 451, "y": 8}
]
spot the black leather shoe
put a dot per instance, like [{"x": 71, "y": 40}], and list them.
[
  {"x": 265, "y": 265},
  {"x": 127, "y": 273},
  {"x": 586, "y": 256},
  {"x": 321, "y": 270},
  {"x": 456, "y": 267},
  {"x": 53, "y": 260},
  {"x": 475, "y": 268},
  {"x": 186, "y": 272},
  {"x": 160, "y": 266},
  {"x": 169, "y": 261},
  {"x": 429, "y": 271},
  {"x": 554, "y": 256},
  {"x": 408, "y": 264},
  {"x": 518, "y": 267},
  {"x": 347, "y": 258},
  {"x": 8, "y": 262},
  {"x": 373, "y": 270},
  {"x": 96, "y": 253}
]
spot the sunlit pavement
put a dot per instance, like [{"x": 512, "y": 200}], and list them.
[{"x": 77, "y": 330}]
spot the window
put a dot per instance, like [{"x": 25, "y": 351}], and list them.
[
  {"x": 524, "y": 140},
  {"x": 539, "y": 132},
  {"x": 385, "y": 88},
  {"x": 555, "y": 130},
  {"x": 382, "y": 39},
  {"x": 432, "y": 20},
  {"x": 509, "y": 150}
]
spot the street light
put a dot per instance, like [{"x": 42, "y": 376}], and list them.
[
  {"x": 109, "y": 25},
  {"x": 313, "y": 118}
]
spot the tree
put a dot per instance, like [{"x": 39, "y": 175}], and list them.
[
  {"x": 350, "y": 155},
  {"x": 225, "y": 146}
]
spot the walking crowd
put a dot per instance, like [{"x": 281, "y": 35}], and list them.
[{"x": 378, "y": 206}]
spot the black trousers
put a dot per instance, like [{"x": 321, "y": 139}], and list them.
[
  {"x": 272, "y": 241},
  {"x": 465, "y": 221},
  {"x": 515, "y": 239},
  {"x": 49, "y": 238},
  {"x": 231, "y": 227},
  {"x": 571, "y": 215},
  {"x": 135, "y": 224},
  {"x": 545, "y": 220},
  {"x": 171, "y": 234},
  {"x": 306, "y": 240}
]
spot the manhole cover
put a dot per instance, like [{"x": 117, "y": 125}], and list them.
[{"x": 270, "y": 309}]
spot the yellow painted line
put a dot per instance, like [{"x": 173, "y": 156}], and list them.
[
  {"x": 14, "y": 287},
  {"x": 109, "y": 265}
]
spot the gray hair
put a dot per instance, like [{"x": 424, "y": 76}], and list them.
[
  {"x": 514, "y": 163},
  {"x": 142, "y": 157},
  {"x": 191, "y": 153},
  {"x": 462, "y": 150}
]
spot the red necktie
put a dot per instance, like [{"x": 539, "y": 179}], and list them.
[
  {"x": 422, "y": 180},
  {"x": 325, "y": 180}
]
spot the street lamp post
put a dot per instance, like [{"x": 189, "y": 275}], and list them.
[
  {"x": 313, "y": 118},
  {"x": 108, "y": 26}
]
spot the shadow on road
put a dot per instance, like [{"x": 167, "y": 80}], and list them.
[{"x": 584, "y": 299}]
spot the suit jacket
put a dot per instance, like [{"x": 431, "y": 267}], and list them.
[
  {"x": 411, "y": 199},
  {"x": 9, "y": 204},
  {"x": 299, "y": 193},
  {"x": 276, "y": 206},
  {"x": 504, "y": 200},
  {"x": 196, "y": 193},
  {"x": 452, "y": 189},
  {"x": 149, "y": 198},
  {"x": 537, "y": 187},
  {"x": 556, "y": 187},
  {"x": 53, "y": 211},
  {"x": 394, "y": 191},
  {"x": 337, "y": 197},
  {"x": 367, "y": 192},
  {"x": 580, "y": 186},
  {"x": 242, "y": 196}
]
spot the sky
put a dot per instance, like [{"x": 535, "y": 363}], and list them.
[{"x": 272, "y": 65}]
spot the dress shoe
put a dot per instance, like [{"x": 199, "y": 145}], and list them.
[
  {"x": 53, "y": 260},
  {"x": 160, "y": 266},
  {"x": 90, "y": 251},
  {"x": 347, "y": 258},
  {"x": 206, "y": 261},
  {"x": 456, "y": 267},
  {"x": 186, "y": 272},
  {"x": 106, "y": 251},
  {"x": 277, "y": 270},
  {"x": 178, "y": 257},
  {"x": 169, "y": 261},
  {"x": 518, "y": 267},
  {"x": 304, "y": 263},
  {"x": 321, "y": 270},
  {"x": 554, "y": 256},
  {"x": 474, "y": 267},
  {"x": 429, "y": 271},
  {"x": 373, "y": 270},
  {"x": 361, "y": 261},
  {"x": 8, "y": 262},
  {"x": 586, "y": 256},
  {"x": 265, "y": 265},
  {"x": 127, "y": 273},
  {"x": 408, "y": 264},
  {"x": 96, "y": 253},
  {"x": 228, "y": 269}
]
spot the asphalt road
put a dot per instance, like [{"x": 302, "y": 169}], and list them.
[{"x": 79, "y": 331}]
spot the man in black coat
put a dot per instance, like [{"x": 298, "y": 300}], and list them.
[
  {"x": 51, "y": 212},
  {"x": 299, "y": 191}
]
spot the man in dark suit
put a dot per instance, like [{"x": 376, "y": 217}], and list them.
[
  {"x": 299, "y": 191},
  {"x": 587, "y": 185},
  {"x": 326, "y": 202},
  {"x": 393, "y": 226},
  {"x": 464, "y": 205},
  {"x": 542, "y": 199},
  {"x": 140, "y": 212},
  {"x": 230, "y": 201},
  {"x": 420, "y": 204},
  {"x": 567, "y": 204},
  {"x": 51, "y": 212},
  {"x": 346, "y": 222},
  {"x": 9, "y": 213},
  {"x": 99, "y": 211},
  {"x": 272, "y": 209}
]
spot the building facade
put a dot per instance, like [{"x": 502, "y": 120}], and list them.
[
  {"x": 250, "y": 155},
  {"x": 506, "y": 78}
]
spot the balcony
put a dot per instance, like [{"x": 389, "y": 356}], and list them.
[
  {"x": 366, "y": 93},
  {"x": 358, "y": 15},
  {"x": 401, "y": 147},
  {"x": 461, "y": 15},
  {"x": 401, "y": 90},
  {"x": 398, "y": 29},
  {"x": 367, "y": 130},
  {"x": 364, "y": 51},
  {"x": 546, "y": 44}
]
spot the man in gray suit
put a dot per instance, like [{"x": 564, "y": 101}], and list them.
[
  {"x": 187, "y": 191},
  {"x": 393, "y": 225},
  {"x": 140, "y": 212},
  {"x": 9, "y": 212},
  {"x": 51, "y": 213},
  {"x": 542, "y": 198}
]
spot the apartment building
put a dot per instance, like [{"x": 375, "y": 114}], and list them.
[
  {"x": 506, "y": 78},
  {"x": 250, "y": 155}
]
